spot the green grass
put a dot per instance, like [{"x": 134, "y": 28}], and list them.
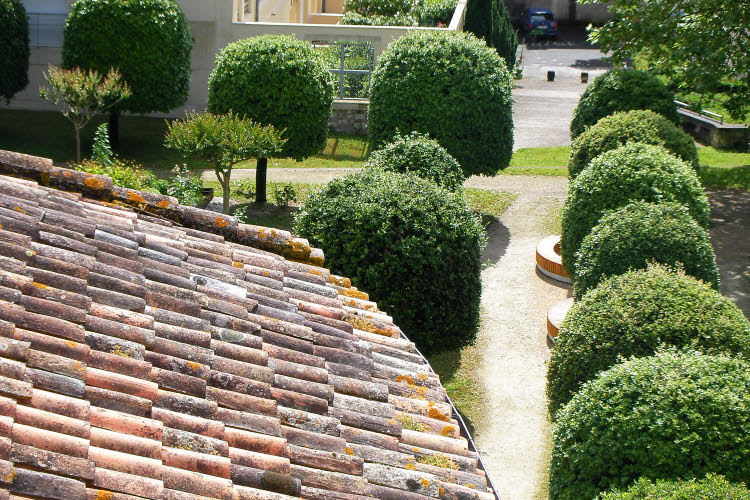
[
  {"x": 490, "y": 204},
  {"x": 50, "y": 135},
  {"x": 713, "y": 157},
  {"x": 726, "y": 177},
  {"x": 540, "y": 157}
]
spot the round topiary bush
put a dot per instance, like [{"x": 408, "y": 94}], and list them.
[
  {"x": 416, "y": 248},
  {"x": 666, "y": 416},
  {"x": 14, "y": 48},
  {"x": 279, "y": 81},
  {"x": 639, "y": 233},
  {"x": 149, "y": 41},
  {"x": 633, "y": 315},
  {"x": 621, "y": 128},
  {"x": 622, "y": 90},
  {"x": 632, "y": 172},
  {"x": 450, "y": 86},
  {"x": 419, "y": 154},
  {"x": 712, "y": 487}
]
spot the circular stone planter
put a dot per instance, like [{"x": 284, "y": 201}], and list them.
[
  {"x": 548, "y": 259},
  {"x": 555, "y": 317}
]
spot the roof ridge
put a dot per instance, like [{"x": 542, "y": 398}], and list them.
[{"x": 101, "y": 187}]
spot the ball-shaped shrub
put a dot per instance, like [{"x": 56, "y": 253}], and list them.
[
  {"x": 279, "y": 81},
  {"x": 668, "y": 416},
  {"x": 633, "y": 315},
  {"x": 419, "y": 154},
  {"x": 621, "y": 128},
  {"x": 622, "y": 90},
  {"x": 639, "y": 233},
  {"x": 632, "y": 172},
  {"x": 416, "y": 248},
  {"x": 148, "y": 40},
  {"x": 450, "y": 86},
  {"x": 14, "y": 48},
  {"x": 712, "y": 487}
]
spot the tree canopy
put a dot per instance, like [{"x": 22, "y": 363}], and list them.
[
  {"x": 703, "y": 46},
  {"x": 14, "y": 48}
]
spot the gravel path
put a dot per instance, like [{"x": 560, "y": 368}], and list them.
[{"x": 514, "y": 441}]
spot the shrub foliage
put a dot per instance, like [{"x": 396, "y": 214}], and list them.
[
  {"x": 446, "y": 85},
  {"x": 490, "y": 21},
  {"x": 632, "y": 172},
  {"x": 416, "y": 248},
  {"x": 632, "y": 315},
  {"x": 712, "y": 487},
  {"x": 148, "y": 40},
  {"x": 622, "y": 90},
  {"x": 639, "y": 233},
  {"x": 14, "y": 48},
  {"x": 661, "y": 417},
  {"x": 419, "y": 154},
  {"x": 621, "y": 128}
]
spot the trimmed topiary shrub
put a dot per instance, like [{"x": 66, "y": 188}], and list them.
[
  {"x": 632, "y": 315},
  {"x": 148, "y": 40},
  {"x": 416, "y": 248},
  {"x": 435, "y": 12},
  {"x": 639, "y": 233},
  {"x": 490, "y": 21},
  {"x": 378, "y": 7},
  {"x": 400, "y": 19},
  {"x": 420, "y": 155},
  {"x": 279, "y": 81},
  {"x": 712, "y": 487},
  {"x": 14, "y": 48},
  {"x": 621, "y": 128},
  {"x": 622, "y": 90},
  {"x": 446, "y": 85},
  {"x": 632, "y": 172},
  {"x": 666, "y": 416}
]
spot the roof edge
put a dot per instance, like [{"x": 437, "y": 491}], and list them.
[{"x": 100, "y": 187}]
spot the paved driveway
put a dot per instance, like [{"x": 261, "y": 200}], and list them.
[{"x": 543, "y": 109}]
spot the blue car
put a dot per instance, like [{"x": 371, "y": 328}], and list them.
[{"x": 537, "y": 22}]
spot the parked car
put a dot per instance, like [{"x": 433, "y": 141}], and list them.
[{"x": 536, "y": 22}]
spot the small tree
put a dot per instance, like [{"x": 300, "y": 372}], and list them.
[
  {"x": 223, "y": 140},
  {"x": 80, "y": 94},
  {"x": 450, "y": 86},
  {"x": 280, "y": 81},
  {"x": 490, "y": 21},
  {"x": 149, "y": 40},
  {"x": 14, "y": 48}
]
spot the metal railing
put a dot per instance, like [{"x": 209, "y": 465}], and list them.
[
  {"x": 710, "y": 114},
  {"x": 46, "y": 30},
  {"x": 352, "y": 63}
]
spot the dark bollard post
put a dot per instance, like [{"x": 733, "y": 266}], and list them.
[
  {"x": 584, "y": 77},
  {"x": 550, "y": 76}
]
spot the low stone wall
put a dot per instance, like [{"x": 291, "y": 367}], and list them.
[
  {"x": 718, "y": 135},
  {"x": 350, "y": 116}
]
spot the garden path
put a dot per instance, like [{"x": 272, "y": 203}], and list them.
[{"x": 514, "y": 439}]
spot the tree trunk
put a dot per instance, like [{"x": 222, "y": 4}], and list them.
[
  {"x": 572, "y": 4},
  {"x": 78, "y": 144},
  {"x": 261, "y": 169},
  {"x": 225, "y": 197},
  {"x": 114, "y": 130}
]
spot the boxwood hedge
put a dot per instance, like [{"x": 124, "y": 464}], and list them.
[
  {"x": 621, "y": 128},
  {"x": 622, "y": 90},
  {"x": 279, "y": 81},
  {"x": 419, "y": 154},
  {"x": 639, "y": 233},
  {"x": 148, "y": 40},
  {"x": 712, "y": 487},
  {"x": 448, "y": 85},
  {"x": 632, "y": 172},
  {"x": 633, "y": 315},
  {"x": 14, "y": 48},
  {"x": 666, "y": 416},
  {"x": 415, "y": 247}
]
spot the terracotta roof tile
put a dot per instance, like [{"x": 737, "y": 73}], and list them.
[{"x": 144, "y": 357}]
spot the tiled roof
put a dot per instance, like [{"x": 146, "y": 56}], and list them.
[{"x": 143, "y": 357}]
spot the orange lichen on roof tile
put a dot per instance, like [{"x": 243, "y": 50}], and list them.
[
  {"x": 136, "y": 197},
  {"x": 94, "y": 182}
]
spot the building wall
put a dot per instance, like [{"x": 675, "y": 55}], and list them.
[{"x": 584, "y": 13}]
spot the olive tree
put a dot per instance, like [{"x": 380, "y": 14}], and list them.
[
  {"x": 148, "y": 40},
  {"x": 279, "y": 81},
  {"x": 224, "y": 141}
]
